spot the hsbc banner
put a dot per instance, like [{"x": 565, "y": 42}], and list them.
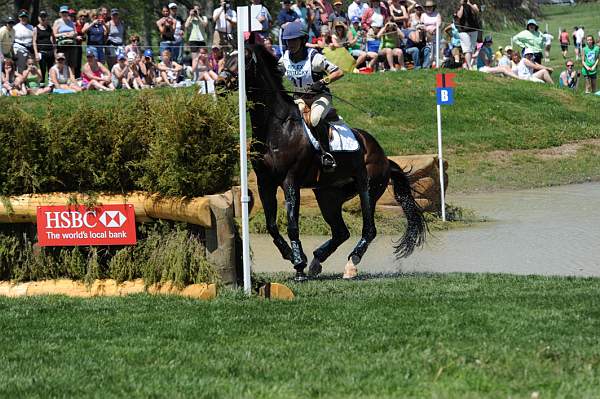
[{"x": 59, "y": 226}]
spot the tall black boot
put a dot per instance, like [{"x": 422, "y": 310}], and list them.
[{"x": 321, "y": 131}]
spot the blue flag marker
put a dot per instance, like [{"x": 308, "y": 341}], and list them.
[{"x": 445, "y": 96}]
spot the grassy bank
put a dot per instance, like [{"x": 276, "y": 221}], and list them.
[{"x": 421, "y": 336}]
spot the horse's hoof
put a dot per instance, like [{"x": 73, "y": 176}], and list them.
[
  {"x": 350, "y": 271},
  {"x": 315, "y": 268},
  {"x": 300, "y": 277}
]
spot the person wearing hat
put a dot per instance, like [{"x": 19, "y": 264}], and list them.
[
  {"x": 454, "y": 44},
  {"x": 120, "y": 72},
  {"x": 43, "y": 44},
  {"x": 338, "y": 14},
  {"x": 7, "y": 39},
  {"x": 116, "y": 37},
  {"x": 61, "y": 76},
  {"x": 310, "y": 72},
  {"x": 225, "y": 19},
  {"x": 530, "y": 70},
  {"x": 485, "y": 60},
  {"x": 431, "y": 18},
  {"x": 286, "y": 15},
  {"x": 23, "y": 44},
  {"x": 66, "y": 35},
  {"x": 148, "y": 70},
  {"x": 357, "y": 45},
  {"x": 532, "y": 39},
  {"x": 505, "y": 60},
  {"x": 95, "y": 76},
  {"x": 356, "y": 9}
]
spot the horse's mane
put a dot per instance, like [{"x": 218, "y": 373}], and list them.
[{"x": 268, "y": 64}]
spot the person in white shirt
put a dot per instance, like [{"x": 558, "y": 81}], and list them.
[
  {"x": 547, "y": 45},
  {"x": 225, "y": 20},
  {"x": 505, "y": 61},
  {"x": 23, "y": 44},
  {"x": 579, "y": 36},
  {"x": 357, "y": 9}
]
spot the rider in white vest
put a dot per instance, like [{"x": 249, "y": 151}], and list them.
[{"x": 310, "y": 73}]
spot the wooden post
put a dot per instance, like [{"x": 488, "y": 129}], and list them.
[{"x": 221, "y": 238}]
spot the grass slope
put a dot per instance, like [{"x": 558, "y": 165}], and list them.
[{"x": 420, "y": 336}]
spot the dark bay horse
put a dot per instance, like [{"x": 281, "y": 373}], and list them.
[{"x": 284, "y": 157}]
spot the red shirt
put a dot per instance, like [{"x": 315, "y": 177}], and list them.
[{"x": 564, "y": 37}]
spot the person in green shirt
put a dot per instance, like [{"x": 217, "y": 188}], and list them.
[
  {"x": 589, "y": 61},
  {"x": 391, "y": 36},
  {"x": 531, "y": 38}
]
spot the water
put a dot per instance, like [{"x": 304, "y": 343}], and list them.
[{"x": 553, "y": 231}]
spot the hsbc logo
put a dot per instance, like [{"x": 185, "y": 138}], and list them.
[{"x": 112, "y": 219}]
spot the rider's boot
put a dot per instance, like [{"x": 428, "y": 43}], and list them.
[{"x": 328, "y": 163}]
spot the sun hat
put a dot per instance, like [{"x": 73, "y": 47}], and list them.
[
  {"x": 532, "y": 22},
  {"x": 23, "y": 13},
  {"x": 121, "y": 56},
  {"x": 10, "y": 20},
  {"x": 488, "y": 39},
  {"x": 63, "y": 9},
  {"x": 114, "y": 11},
  {"x": 43, "y": 13},
  {"x": 91, "y": 52},
  {"x": 339, "y": 23},
  {"x": 430, "y": 3},
  {"x": 528, "y": 51},
  {"x": 336, "y": 2},
  {"x": 355, "y": 19},
  {"x": 508, "y": 48},
  {"x": 172, "y": 5},
  {"x": 148, "y": 53},
  {"x": 60, "y": 56},
  {"x": 131, "y": 56}
]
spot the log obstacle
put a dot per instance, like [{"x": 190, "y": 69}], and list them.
[
  {"x": 214, "y": 213},
  {"x": 422, "y": 171}
]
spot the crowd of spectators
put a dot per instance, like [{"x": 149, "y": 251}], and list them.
[{"x": 383, "y": 35}]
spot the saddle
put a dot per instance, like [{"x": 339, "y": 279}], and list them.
[{"x": 331, "y": 116}]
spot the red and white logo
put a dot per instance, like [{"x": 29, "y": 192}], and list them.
[{"x": 79, "y": 226}]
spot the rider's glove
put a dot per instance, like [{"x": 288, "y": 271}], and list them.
[{"x": 318, "y": 86}]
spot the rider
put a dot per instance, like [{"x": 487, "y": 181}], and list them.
[{"x": 310, "y": 72}]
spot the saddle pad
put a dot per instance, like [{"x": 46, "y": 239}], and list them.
[{"x": 342, "y": 137}]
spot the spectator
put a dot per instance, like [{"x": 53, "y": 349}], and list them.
[
  {"x": 455, "y": 46},
  {"x": 375, "y": 16},
  {"x": 324, "y": 39},
  {"x": 32, "y": 79},
  {"x": 532, "y": 39},
  {"x": 148, "y": 70},
  {"x": 7, "y": 39},
  {"x": 120, "y": 72},
  {"x": 391, "y": 37},
  {"x": 431, "y": 18},
  {"x": 201, "y": 68},
  {"x": 134, "y": 47},
  {"x": 170, "y": 71},
  {"x": 23, "y": 44},
  {"x": 11, "y": 80},
  {"x": 177, "y": 48},
  {"x": 217, "y": 60},
  {"x": 547, "y": 45},
  {"x": 564, "y": 43},
  {"x": 499, "y": 54},
  {"x": 166, "y": 29},
  {"x": 399, "y": 13},
  {"x": 414, "y": 18},
  {"x": 61, "y": 76},
  {"x": 225, "y": 20},
  {"x": 302, "y": 12},
  {"x": 468, "y": 26},
  {"x": 356, "y": 9},
  {"x": 134, "y": 78},
  {"x": 416, "y": 47},
  {"x": 65, "y": 33},
  {"x": 485, "y": 60},
  {"x": 357, "y": 45},
  {"x": 80, "y": 22},
  {"x": 95, "y": 76},
  {"x": 316, "y": 9},
  {"x": 196, "y": 24},
  {"x": 590, "y": 56},
  {"x": 116, "y": 37},
  {"x": 338, "y": 14},
  {"x": 103, "y": 14},
  {"x": 568, "y": 77},
  {"x": 43, "y": 44},
  {"x": 530, "y": 70},
  {"x": 96, "y": 31},
  {"x": 578, "y": 36},
  {"x": 286, "y": 15},
  {"x": 505, "y": 60}
]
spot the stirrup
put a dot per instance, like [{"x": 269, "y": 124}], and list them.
[{"x": 328, "y": 162}]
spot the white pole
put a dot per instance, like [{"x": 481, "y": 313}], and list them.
[
  {"x": 243, "y": 156},
  {"x": 441, "y": 161},
  {"x": 437, "y": 46}
]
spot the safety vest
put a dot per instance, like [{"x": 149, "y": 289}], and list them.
[{"x": 300, "y": 73}]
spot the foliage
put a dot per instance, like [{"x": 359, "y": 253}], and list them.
[
  {"x": 165, "y": 252},
  {"x": 171, "y": 142}
]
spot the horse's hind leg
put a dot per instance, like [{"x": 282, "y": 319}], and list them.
[
  {"x": 330, "y": 202},
  {"x": 369, "y": 232},
  {"x": 268, "y": 197}
]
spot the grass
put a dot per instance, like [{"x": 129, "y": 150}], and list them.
[{"x": 418, "y": 336}]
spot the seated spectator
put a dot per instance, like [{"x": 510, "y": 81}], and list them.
[
  {"x": 485, "y": 60},
  {"x": 414, "y": 18},
  {"x": 32, "y": 79},
  {"x": 148, "y": 70},
  {"x": 134, "y": 47},
  {"x": 530, "y": 70},
  {"x": 568, "y": 77},
  {"x": 431, "y": 18},
  {"x": 62, "y": 76},
  {"x": 375, "y": 16},
  {"x": 134, "y": 78},
  {"x": 357, "y": 45},
  {"x": 217, "y": 59},
  {"x": 201, "y": 68},
  {"x": 120, "y": 72},
  {"x": 505, "y": 60},
  {"x": 322, "y": 41},
  {"x": 391, "y": 38},
  {"x": 417, "y": 48},
  {"x": 170, "y": 71},
  {"x": 95, "y": 76},
  {"x": 11, "y": 80}
]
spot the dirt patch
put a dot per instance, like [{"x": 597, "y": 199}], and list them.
[{"x": 563, "y": 151}]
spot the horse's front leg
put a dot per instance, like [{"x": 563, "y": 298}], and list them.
[
  {"x": 367, "y": 205},
  {"x": 268, "y": 197},
  {"x": 292, "y": 203}
]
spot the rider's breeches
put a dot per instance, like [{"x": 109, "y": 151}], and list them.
[{"x": 318, "y": 110}]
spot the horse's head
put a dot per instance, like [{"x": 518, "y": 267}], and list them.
[{"x": 261, "y": 69}]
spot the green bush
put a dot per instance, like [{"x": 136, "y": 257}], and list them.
[{"x": 171, "y": 142}]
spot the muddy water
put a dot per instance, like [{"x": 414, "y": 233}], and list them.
[{"x": 553, "y": 231}]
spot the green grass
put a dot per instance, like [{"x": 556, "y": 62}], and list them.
[{"x": 417, "y": 336}]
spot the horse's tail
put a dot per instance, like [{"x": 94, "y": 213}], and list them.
[{"x": 416, "y": 228}]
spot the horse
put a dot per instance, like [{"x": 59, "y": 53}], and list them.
[{"x": 284, "y": 157}]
